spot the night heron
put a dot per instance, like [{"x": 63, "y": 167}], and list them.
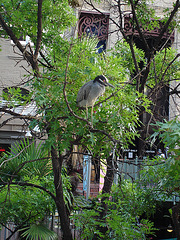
[{"x": 90, "y": 91}]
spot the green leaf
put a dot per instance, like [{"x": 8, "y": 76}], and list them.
[{"x": 38, "y": 232}]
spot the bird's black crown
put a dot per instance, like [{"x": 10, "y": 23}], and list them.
[{"x": 101, "y": 79}]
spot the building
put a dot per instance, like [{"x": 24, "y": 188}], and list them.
[
  {"x": 13, "y": 67},
  {"x": 92, "y": 22}
]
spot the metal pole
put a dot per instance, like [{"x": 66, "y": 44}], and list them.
[
  {"x": 86, "y": 174},
  {"x": 136, "y": 168},
  {"x": 125, "y": 167},
  {"x": 5, "y": 232},
  {"x": 88, "y": 177}
]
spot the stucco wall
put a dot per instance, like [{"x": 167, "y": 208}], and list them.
[
  {"x": 11, "y": 65},
  {"x": 12, "y": 73}
]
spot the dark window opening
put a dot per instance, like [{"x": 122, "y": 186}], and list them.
[
  {"x": 151, "y": 41},
  {"x": 162, "y": 220},
  {"x": 4, "y": 148},
  {"x": 22, "y": 92},
  {"x": 151, "y": 36},
  {"x": 160, "y": 97}
]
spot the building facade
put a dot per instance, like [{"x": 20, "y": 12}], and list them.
[{"x": 99, "y": 20}]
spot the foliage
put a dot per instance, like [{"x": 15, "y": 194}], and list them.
[
  {"x": 126, "y": 203},
  {"x": 22, "y": 16},
  {"x": 38, "y": 231},
  {"x": 66, "y": 64},
  {"x": 26, "y": 163},
  {"x": 86, "y": 222},
  {"x": 68, "y": 196},
  {"x": 118, "y": 116},
  {"x": 25, "y": 153},
  {"x": 22, "y": 204},
  {"x": 14, "y": 97},
  {"x": 160, "y": 175},
  {"x": 169, "y": 133},
  {"x": 163, "y": 174},
  {"x": 146, "y": 13},
  {"x": 122, "y": 51},
  {"x": 160, "y": 72}
]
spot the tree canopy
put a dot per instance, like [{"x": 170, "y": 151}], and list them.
[{"x": 59, "y": 67}]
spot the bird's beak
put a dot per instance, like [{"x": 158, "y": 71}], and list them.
[{"x": 110, "y": 85}]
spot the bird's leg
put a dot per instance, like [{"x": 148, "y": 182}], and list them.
[
  {"x": 86, "y": 112},
  {"x": 92, "y": 115}
]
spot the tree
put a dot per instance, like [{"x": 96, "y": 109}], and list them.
[
  {"x": 28, "y": 202},
  {"x": 65, "y": 63},
  {"x": 50, "y": 90},
  {"x": 163, "y": 173},
  {"x": 151, "y": 75},
  {"x": 126, "y": 204},
  {"x": 31, "y": 24}
]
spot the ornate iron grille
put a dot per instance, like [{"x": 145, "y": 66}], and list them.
[
  {"x": 130, "y": 30},
  {"x": 94, "y": 25},
  {"x": 91, "y": 25}
]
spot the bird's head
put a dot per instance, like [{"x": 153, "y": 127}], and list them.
[{"x": 103, "y": 80}]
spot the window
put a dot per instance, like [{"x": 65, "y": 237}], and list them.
[
  {"x": 150, "y": 35},
  {"x": 22, "y": 92},
  {"x": 94, "y": 24},
  {"x": 4, "y": 148},
  {"x": 18, "y": 100},
  {"x": 24, "y": 41}
]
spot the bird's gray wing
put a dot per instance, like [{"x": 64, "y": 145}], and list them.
[{"x": 84, "y": 92}]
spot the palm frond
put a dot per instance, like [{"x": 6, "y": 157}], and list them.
[
  {"x": 38, "y": 232},
  {"x": 33, "y": 156}
]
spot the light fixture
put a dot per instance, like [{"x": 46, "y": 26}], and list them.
[{"x": 170, "y": 228}]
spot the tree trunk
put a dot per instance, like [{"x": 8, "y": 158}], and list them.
[
  {"x": 108, "y": 181},
  {"x": 140, "y": 141},
  {"x": 175, "y": 218},
  {"x": 60, "y": 204}
]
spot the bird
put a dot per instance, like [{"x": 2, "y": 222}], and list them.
[{"x": 90, "y": 91}]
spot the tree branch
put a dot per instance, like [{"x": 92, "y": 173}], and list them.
[
  {"x": 27, "y": 55},
  {"x": 6, "y": 121},
  {"x": 176, "y": 6},
  {"x": 11, "y": 34},
  {"x": 30, "y": 185},
  {"x": 138, "y": 26},
  {"x": 178, "y": 55},
  {"x": 48, "y": 63},
  {"x": 39, "y": 31}
]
